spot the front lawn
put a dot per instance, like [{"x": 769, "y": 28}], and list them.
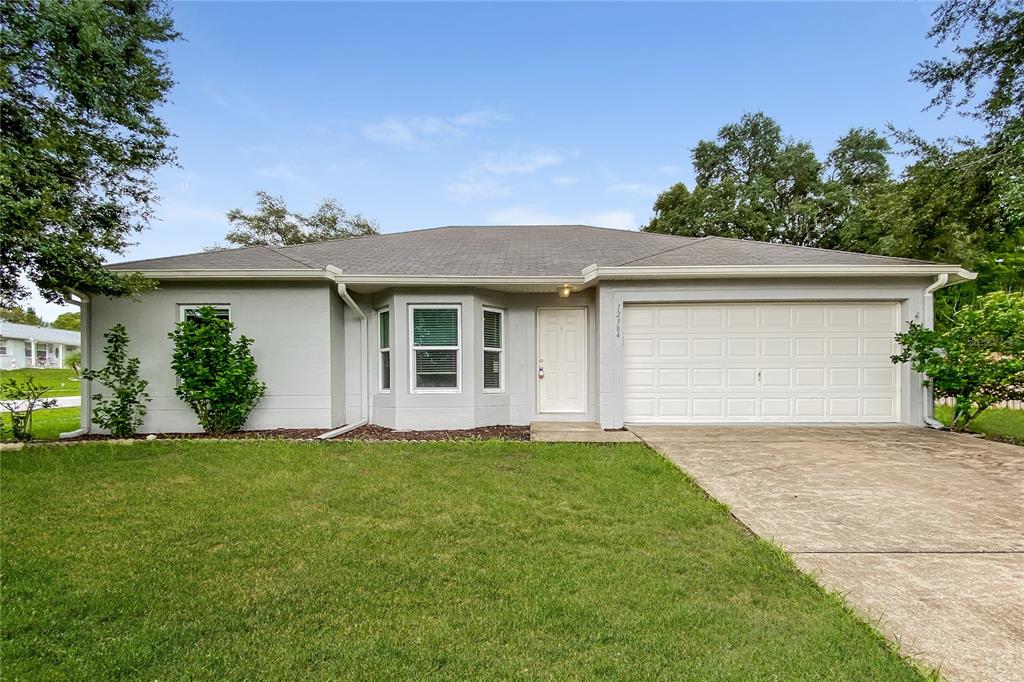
[
  {"x": 62, "y": 382},
  {"x": 276, "y": 560},
  {"x": 996, "y": 423},
  {"x": 46, "y": 424}
]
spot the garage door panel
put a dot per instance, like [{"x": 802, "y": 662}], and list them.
[
  {"x": 776, "y": 362},
  {"x": 741, "y": 318},
  {"x": 673, "y": 378},
  {"x": 674, "y": 348}
]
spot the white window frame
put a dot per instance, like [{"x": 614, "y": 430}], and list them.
[
  {"x": 182, "y": 307},
  {"x": 457, "y": 348},
  {"x": 381, "y": 350},
  {"x": 484, "y": 350},
  {"x": 3, "y": 347}
]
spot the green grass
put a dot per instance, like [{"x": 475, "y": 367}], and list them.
[
  {"x": 61, "y": 381},
  {"x": 997, "y": 423},
  {"x": 47, "y": 424},
  {"x": 276, "y": 560}
]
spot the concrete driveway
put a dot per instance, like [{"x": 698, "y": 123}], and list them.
[{"x": 922, "y": 531}]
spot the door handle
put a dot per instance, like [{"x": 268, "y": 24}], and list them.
[{"x": 540, "y": 372}]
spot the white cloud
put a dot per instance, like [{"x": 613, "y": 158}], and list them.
[
  {"x": 564, "y": 180},
  {"x": 634, "y": 188},
  {"x": 184, "y": 214},
  {"x": 624, "y": 220},
  {"x": 417, "y": 131},
  {"x": 520, "y": 163},
  {"x": 280, "y": 171},
  {"x": 481, "y": 180},
  {"x": 532, "y": 215},
  {"x": 469, "y": 188}
]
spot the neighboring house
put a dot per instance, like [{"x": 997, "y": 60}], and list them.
[
  {"x": 458, "y": 327},
  {"x": 22, "y": 345}
]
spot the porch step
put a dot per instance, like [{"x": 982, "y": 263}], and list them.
[{"x": 577, "y": 432}]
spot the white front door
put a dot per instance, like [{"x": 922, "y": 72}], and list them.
[{"x": 562, "y": 360}]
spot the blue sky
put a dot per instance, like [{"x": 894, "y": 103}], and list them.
[{"x": 428, "y": 114}]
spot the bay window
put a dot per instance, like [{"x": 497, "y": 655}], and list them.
[
  {"x": 384, "y": 347},
  {"x": 494, "y": 350},
  {"x": 435, "y": 348}
]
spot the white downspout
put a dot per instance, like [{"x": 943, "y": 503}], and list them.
[
  {"x": 85, "y": 418},
  {"x": 364, "y": 382},
  {"x": 929, "y": 319}
]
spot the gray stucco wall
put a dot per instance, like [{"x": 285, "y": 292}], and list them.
[
  {"x": 403, "y": 408},
  {"x": 909, "y": 293},
  {"x": 314, "y": 354},
  {"x": 293, "y": 327}
]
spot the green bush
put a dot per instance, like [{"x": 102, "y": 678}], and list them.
[
  {"x": 978, "y": 359},
  {"x": 122, "y": 411},
  {"x": 73, "y": 361},
  {"x": 21, "y": 399},
  {"x": 217, "y": 374}
]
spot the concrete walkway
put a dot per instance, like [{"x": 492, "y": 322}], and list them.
[
  {"x": 577, "y": 432},
  {"x": 62, "y": 401},
  {"x": 922, "y": 531}
]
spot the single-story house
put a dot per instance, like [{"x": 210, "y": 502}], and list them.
[
  {"x": 459, "y": 327},
  {"x": 24, "y": 345}
]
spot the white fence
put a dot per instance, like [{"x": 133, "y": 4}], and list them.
[{"x": 1008, "y": 404}]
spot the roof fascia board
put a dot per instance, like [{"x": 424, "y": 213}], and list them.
[
  {"x": 587, "y": 275},
  {"x": 955, "y": 272}
]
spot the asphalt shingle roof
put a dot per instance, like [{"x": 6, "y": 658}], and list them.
[{"x": 523, "y": 250}]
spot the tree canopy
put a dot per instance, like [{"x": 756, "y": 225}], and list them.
[
  {"x": 80, "y": 136},
  {"x": 273, "y": 224},
  {"x": 21, "y": 315},
  {"x": 69, "y": 321},
  {"x": 993, "y": 57},
  {"x": 754, "y": 183}
]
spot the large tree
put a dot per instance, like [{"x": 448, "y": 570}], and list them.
[
  {"x": 754, "y": 183},
  {"x": 69, "y": 321},
  {"x": 991, "y": 60},
  {"x": 80, "y": 135},
  {"x": 21, "y": 315},
  {"x": 273, "y": 224}
]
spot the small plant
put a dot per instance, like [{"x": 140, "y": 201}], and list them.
[
  {"x": 73, "y": 361},
  {"x": 217, "y": 374},
  {"x": 123, "y": 410},
  {"x": 978, "y": 359},
  {"x": 20, "y": 399}
]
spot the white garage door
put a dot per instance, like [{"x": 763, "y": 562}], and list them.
[{"x": 761, "y": 362}]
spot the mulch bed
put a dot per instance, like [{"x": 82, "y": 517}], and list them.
[
  {"x": 366, "y": 433},
  {"x": 291, "y": 434},
  {"x": 378, "y": 433}
]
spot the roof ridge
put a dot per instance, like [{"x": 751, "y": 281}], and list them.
[
  {"x": 695, "y": 240},
  {"x": 820, "y": 248},
  {"x": 277, "y": 250}
]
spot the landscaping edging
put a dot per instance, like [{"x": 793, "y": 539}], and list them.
[{"x": 368, "y": 434}]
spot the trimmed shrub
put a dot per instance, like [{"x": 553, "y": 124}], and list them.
[
  {"x": 122, "y": 411},
  {"x": 217, "y": 374},
  {"x": 978, "y": 359}
]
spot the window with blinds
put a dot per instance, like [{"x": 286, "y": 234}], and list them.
[
  {"x": 190, "y": 312},
  {"x": 494, "y": 350},
  {"x": 435, "y": 347},
  {"x": 384, "y": 341}
]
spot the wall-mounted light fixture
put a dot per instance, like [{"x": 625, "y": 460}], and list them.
[{"x": 564, "y": 290}]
